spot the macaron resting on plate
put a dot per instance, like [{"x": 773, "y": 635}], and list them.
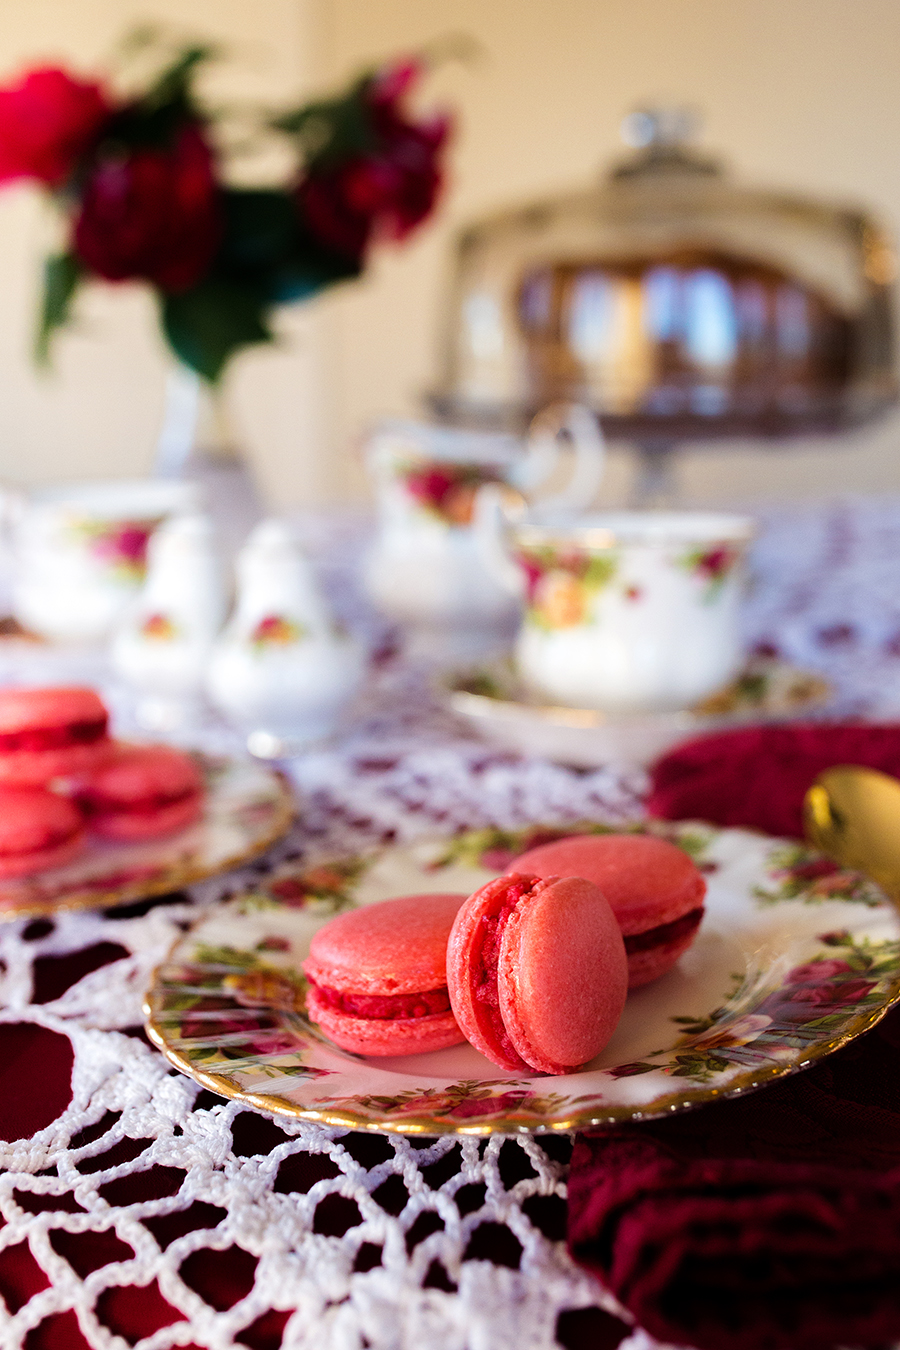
[
  {"x": 50, "y": 733},
  {"x": 142, "y": 792},
  {"x": 378, "y": 979},
  {"x": 38, "y": 829},
  {"x": 537, "y": 973},
  {"x": 654, "y": 889}
]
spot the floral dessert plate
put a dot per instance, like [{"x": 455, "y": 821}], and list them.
[
  {"x": 247, "y": 807},
  {"x": 794, "y": 958},
  {"x": 494, "y": 704}
]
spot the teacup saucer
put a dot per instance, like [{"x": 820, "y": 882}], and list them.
[{"x": 492, "y": 700}]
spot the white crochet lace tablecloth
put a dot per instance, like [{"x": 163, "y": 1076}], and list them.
[{"x": 361, "y": 1241}]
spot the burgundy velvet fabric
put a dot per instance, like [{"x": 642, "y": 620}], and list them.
[
  {"x": 758, "y": 776},
  {"x": 770, "y": 1222}
]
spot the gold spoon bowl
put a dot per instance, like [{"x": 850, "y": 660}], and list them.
[{"x": 853, "y": 814}]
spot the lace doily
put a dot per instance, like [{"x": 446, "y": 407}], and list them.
[{"x": 322, "y": 1238}]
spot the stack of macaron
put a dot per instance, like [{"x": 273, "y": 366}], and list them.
[
  {"x": 63, "y": 777},
  {"x": 533, "y": 969}
]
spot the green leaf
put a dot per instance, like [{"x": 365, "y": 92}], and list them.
[
  {"x": 173, "y": 84},
  {"x": 266, "y": 245},
  {"x": 62, "y": 274},
  {"x": 331, "y": 129},
  {"x": 208, "y": 324}
]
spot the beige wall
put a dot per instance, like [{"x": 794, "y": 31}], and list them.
[{"x": 803, "y": 93}]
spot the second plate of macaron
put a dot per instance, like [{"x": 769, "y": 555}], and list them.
[{"x": 145, "y": 821}]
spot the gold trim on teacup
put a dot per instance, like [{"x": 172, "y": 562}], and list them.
[{"x": 631, "y": 529}]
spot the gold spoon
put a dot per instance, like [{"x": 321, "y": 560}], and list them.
[{"x": 853, "y": 815}]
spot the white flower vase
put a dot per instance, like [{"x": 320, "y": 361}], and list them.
[{"x": 281, "y": 671}]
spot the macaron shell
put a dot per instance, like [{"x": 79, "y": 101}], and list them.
[
  {"x": 38, "y": 829},
  {"x": 374, "y": 1036},
  {"x": 34, "y": 768},
  {"x": 393, "y": 947},
  {"x": 56, "y": 706},
  {"x": 161, "y": 820},
  {"x": 647, "y": 881},
  {"x": 134, "y": 773},
  {"x": 562, "y": 975},
  {"x": 40, "y": 860},
  {"x": 477, "y": 1019}
]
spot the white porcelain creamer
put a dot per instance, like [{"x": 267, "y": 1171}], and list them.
[{"x": 431, "y": 566}]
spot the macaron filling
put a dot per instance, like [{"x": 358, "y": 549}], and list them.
[
  {"x": 384, "y": 1007},
  {"x": 486, "y": 961},
  {"x": 665, "y": 933},
  {"x": 53, "y": 738},
  {"x": 156, "y": 801}
]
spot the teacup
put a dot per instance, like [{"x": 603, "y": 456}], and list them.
[
  {"x": 631, "y": 611},
  {"x": 80, "y": 552}
]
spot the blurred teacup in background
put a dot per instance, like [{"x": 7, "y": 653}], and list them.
[
  {"x": 631, "y": 611},
  {"x": 79, "y": 553},
  {"x": 431, "y": 568}
]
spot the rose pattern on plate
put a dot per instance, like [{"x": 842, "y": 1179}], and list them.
[
  {"x": 234, "y": 1006},
  {"x": 466, "y": 1100},
  {"x": 325, "y": 887},
  {"x": 813, "y": 1001},
  {"x": 561, "y": 585},
  {"x": 800, "y": 873},
  {"x": 495, "y": 848}
]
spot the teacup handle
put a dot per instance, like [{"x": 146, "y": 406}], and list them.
[{"x": 543, "y": 454}]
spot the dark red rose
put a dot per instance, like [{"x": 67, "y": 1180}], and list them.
[
  {"x": 818, "y": 971},
  {"x": 151, "y": 214},
  {"x": 47, "y": 121},
  {"x": 386, "y": 191},
  {"x": 807, "y": 1002}
]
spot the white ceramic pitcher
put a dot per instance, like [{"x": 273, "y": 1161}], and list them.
[{"x": 432, "y": 566}]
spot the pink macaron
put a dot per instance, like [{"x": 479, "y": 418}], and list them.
[
  {"x": 141, "y": 792},
  {"x": 50, "y": 733},
  {"x": 654, "y": 889},
  {"x": 38, "y": 829},
  {"x": 537, "y": 973},
  {"x": 378, "y": 977}
]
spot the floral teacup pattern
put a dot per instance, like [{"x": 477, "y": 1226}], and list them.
[{"x": 635, "y": 612}]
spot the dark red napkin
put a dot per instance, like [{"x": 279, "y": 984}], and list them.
[
  {"x": 770, "y": 1222},
  {"x": 758, "y": 776}
]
